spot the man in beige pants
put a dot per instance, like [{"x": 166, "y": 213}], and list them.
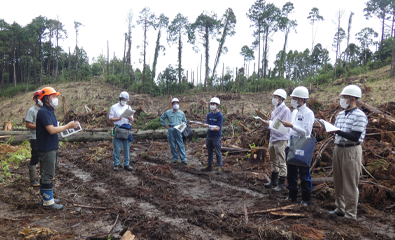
[
  {"x": 347, "y": 155},
  {"x": 278, "y": 142}
]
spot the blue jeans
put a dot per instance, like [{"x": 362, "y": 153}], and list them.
[
  {"x": 214, "y": 143},
  {"x": 175, "y": 139},
  {"x": 116, "y": 153}
]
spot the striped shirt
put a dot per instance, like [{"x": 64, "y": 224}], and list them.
[
  {"x": 284, "y": 114},
  {"x": 355, "y": 120}
]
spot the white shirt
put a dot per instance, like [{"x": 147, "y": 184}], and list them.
[
  {"x": 116, "y": 111},
  {"x": 302, "y": 120}
]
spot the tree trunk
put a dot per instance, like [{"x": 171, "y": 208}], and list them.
[
  {"x": 69, "y": 67},
  {"x": 113, "y": 62},
  {"x": 41, "y": 64},
  {"x": 57, "y": 54},
  {"x": 206, "y": 57},
  {"x": 222, "y": 83},
  {"x": 14, "y": 69},
  {"x": 108, "y": 59},
  {"x": 28, "y": 74},
  {"x": 382, "y": 35},
  {"x": 144, "y": 52},
  {"x": 201, "y": 60},
  {"x": 124, "y": 56},
  {"x": 265, "y": 60},
  {"x": 259, "y": 47},
  {"x": 179, "y": 58},
  {"x": 393, "y": 59},
  {"x": 34, "y": 68}
]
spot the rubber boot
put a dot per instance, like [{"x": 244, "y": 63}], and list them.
[
  {"x": 32, "y": 176},
  {"x": 207, "y": 168},
  {"x": 273, "y": 180},
  {"x": 280, "y": 187},
  {"x": 292, "y": 195},
  {"x": 305, "y": 199},
  {"x": 41, "y": 193},
  {"x": 48, "y": 201}
]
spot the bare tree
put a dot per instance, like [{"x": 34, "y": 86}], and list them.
[{"x": 76, "y": 27}]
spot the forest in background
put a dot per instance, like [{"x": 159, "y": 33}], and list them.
[{"x": 30, "y": 56}]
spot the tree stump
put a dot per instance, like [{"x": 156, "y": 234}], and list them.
[{"x": 258, "y": 153}]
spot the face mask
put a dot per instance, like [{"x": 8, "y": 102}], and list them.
[
  {"x": 39, "y": 103},
  {"x": 294, "y": 103},
  {"x": 343, "y": 103},
  {"x": 54, "y": 102},
  {"x": 123, "y": 103},
  {"x": 176, "y": 107},
  {"x": 275, "y": 101},
  {"x": 213, "y": 107}
]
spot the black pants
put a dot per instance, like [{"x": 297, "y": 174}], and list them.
[
  {"x": 292, "y": 177},
  {"x": 35, "y": 157}
]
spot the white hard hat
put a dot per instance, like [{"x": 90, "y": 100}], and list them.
[
  {"x": 352, "y": 90},
  {"x": 175, "y": 100},
  {"x": 300, "y": 92},
  {"x": 124, "y": 95},
  {"x": 281, "y": 92},
  {"x": 215, "y": 100}
]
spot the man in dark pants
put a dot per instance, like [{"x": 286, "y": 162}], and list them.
[
  {"x": 213, "y": 141},
  {"x": 302, "y": 120},
  {"x": 30, "y": 119},
  {"x": 48, "y": 143}
]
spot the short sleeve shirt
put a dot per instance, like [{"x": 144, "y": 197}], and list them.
[
  {"x": 31, "y": 116},
  {"x": 45, "y": 140},
  {"x": 355, "y": 120}
]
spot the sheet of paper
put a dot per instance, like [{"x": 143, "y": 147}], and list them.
[
  {"x": 71, "y": 131},
  {"x": 278, "y": 126},
  {"x": 329, "y": 127},
  {"x": 127, "y": 113},
  {"x": 180, "y": 127},
  {"x": 200, "y": 123},
  {"x": 211, "y": 127}
]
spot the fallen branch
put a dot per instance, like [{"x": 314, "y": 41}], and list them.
[
  {"x": 85, "y": 206},
  {"x": 375, "y": 110},
  {"x": 387, "y": 189},
  {"x": 368, "y": 173},
  {"x": 276, "y": 220},
  {"x": 286, "y": 214},
  {"x": 245, "y": 127},
  {"x": 116, "y": 220},
  {"x": 245, "y": 214},
  {"x": 274, "y": 209}
]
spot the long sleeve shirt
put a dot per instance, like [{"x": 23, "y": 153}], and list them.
[
  {"x": 351, "y": 121},
  {"x": 214, "y": 119},
  {"x": 173, "y": 118},
  {"x": 302, "y": 120},
  {"x": 116, "y": 111},
  {"x": 284, "y": 114}
]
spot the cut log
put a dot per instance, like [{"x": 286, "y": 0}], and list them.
[
  {"x": 7, "y": 126},
  {"x": 274, "y": 209},
  {"x": 375, "y": 110},
  {"x": 259, "y": 153},
  {"x": 261, "y": 115},
  {"x": 287, "y": 214},
  {"x": 245, "y": 127},
  {"x": 128, "y": 236}
]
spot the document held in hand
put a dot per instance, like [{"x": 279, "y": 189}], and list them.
[
  {"x": 128, "y": 113},
  {"x": 278, "y": 126},
  {"x": 328, "y": 127},
  {"x": 70, "y": 131},
  {"x": 200, "y": 123},
  {"x": 180, "y": 127}
]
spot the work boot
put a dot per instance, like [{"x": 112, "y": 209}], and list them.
[
  {"x": 32, "y": 176},
  {"x": 280, "y": 187},
  {"x": 334, "y": 212},
  {"x": 48, "y": 200},
  {"x": 207, "y": 168},
  {"x": 292, "y": 195},
  {"x": 305, "y": 199},
  {"x": 219, "y": 171},
  {"x": 273, "y": 180},
  {"x": 128, "y": 168},
  {"x": 115, "y": 168},
  {"x": 184, "y": 162}
]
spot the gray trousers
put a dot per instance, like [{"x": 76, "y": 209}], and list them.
[
  {"x": 48, "y": 162},
  {"x": 346, "y": 171}
]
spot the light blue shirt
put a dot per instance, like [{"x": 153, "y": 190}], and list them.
[{"x": 173, "y": 118}]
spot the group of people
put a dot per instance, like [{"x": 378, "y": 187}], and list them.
[{"x": 347, "y": 155}]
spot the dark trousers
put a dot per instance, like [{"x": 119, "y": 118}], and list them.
[
  {"x": 292, "y": 177},
  {"x": 214, "y": 143},
  {"x": 47, "y": 168},
  {"x": 35, "y": 156}
]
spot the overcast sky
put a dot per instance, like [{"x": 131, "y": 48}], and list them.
[{"x": 106, "y": 20}]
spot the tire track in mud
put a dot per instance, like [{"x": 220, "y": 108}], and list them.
[{"x": 149, "y": 209}]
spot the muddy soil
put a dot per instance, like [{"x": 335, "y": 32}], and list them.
[{"x": 162, "y": 201}]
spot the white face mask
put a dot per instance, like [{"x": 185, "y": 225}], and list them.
[
  {"x": 39, "y": 103},
  {"x": 213, "y": 107},
  {"x": 123, "y": 103},
  {"x": 275, "y": 101},
  {"x": 54, "y": 102},
  {"x": 176, "y": 107},
  {"x": 343, "y": 103},
  {"x": 294, "y": 103}
]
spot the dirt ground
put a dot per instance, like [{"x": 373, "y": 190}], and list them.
[{"x": 162, "y": 201}]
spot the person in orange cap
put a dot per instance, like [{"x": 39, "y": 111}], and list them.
[
  {"x": 30, "y": 119},
  {"x": 48, "y": 143}
]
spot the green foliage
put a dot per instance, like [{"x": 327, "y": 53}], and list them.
[
  {"x": 13, "y": 159},
  {"x": 153, "y": 124}
]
